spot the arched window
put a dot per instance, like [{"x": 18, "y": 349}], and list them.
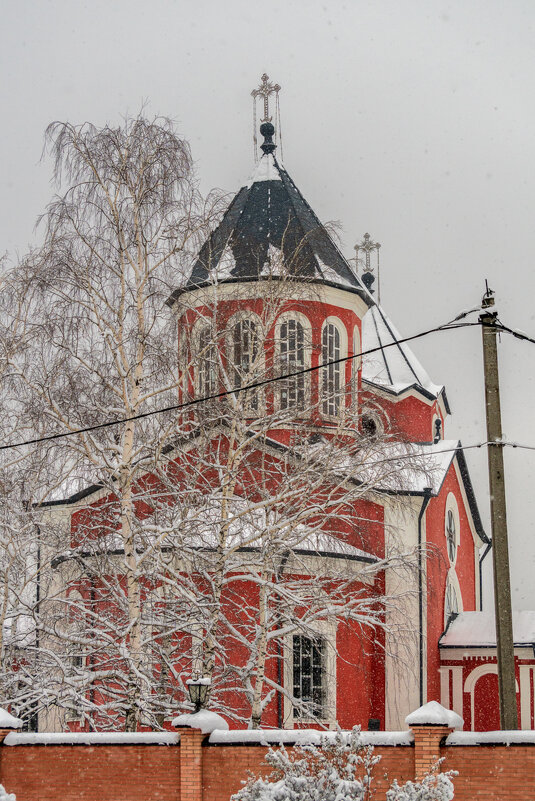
[
  {"x": 453, "y": 603},
  {"x": 332, "y": 373},
  {"x": 244, "y": 355},
  {"x": 292, "y": 355},
  {"x": 206, "y": 363},
  {"x": 355, "y": 367}
]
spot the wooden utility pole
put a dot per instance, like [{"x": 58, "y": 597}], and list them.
[{"x": 498, "y": 514}]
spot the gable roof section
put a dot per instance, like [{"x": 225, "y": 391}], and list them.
[
  {"x": 270, "y": 230},
  {"x": 478, "y": 630},
  {"x": 439, "y": 457},
  {"x": 393, "y": 367}
]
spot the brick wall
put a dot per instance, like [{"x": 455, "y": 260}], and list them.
[
  {"x": 197, "y": 770},
  {"x": 492, "y": 771},
  {"x": 91, "y": 773}
]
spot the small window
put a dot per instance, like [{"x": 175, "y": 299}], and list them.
[
  {"x": 451, "y": 602},
  {"x": 369, "y": 426},
  {"x": 451, "y": 528},
  {"x": 292, "y": 359},
  {"x": 207, "y": 363},
  {"x": 331, "y": 380},
  {"x": 309, "y": 677},
  {"x": 355, "y": 367},
  {"x": 245, "y": 347},
  {"x": 451, "y": 535}
]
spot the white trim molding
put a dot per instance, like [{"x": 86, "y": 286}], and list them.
[{"x": 471, "y": 681}]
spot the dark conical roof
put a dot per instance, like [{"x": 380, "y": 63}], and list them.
[{"x": 269, "y": 229}]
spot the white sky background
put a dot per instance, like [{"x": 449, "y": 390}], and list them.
[{"x": 411, "y": 120}]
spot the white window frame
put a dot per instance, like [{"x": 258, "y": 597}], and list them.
[
  {"x": 325, "y": 630},
  {"x": 301, "y": 318},
  {"x": 356, "y": 364},
  {"x": 197, "y": 330},
  {"x": 451, "y": 511},
  {"x": 337, "y": 324},
  {"x": 452, "y": 585},
  {"x": 75, "y": 596},
  {"x": 258, "y": 374}
]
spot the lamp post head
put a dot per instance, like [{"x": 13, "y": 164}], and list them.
[{"x": 198, "y": 691}]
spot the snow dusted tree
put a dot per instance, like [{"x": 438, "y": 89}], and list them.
[
  {"x": 205, "y": 542},
  {"x": 97, "y": 346},
  {"x": 340, "y": 768},
  {"x": 254, "y": 519},
  {"x": 21, "y": 480}
]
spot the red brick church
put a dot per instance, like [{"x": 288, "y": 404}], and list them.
[{"x": 272, "y": 267}]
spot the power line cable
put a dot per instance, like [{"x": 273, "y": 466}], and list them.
[
  {"x": 236, "y": 390},
  {"x": 257, "y": 384}
]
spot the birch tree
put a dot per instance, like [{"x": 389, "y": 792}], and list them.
[
  {"x": 203, "y": 542},
  {"x": 97, "y": 346}
]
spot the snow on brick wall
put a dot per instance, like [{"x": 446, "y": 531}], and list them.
[{"x": 136, "y": 770}]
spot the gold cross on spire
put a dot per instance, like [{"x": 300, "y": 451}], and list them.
[{"x": 265, "y": 90}]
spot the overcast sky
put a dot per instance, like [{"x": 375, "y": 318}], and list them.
[{"x": 411, "y": 120}]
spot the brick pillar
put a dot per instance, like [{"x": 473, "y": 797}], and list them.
[
  {"x": 427, "y": 739},
  {"x": 191, "y": 741}
]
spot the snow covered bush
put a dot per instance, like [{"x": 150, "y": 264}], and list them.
[
  {"x": 4, "y": 796},
  {"x": 339, "y": 769},
  {"x": 433, "y": 787}
]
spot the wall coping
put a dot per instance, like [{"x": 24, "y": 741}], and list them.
[
  {"x": 92, "y": 738},
  {"x": 304, "y": 737},
  {"x": 522, "y": 737}
]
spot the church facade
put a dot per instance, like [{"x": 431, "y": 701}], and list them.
[{"x": 272, "y": 321}]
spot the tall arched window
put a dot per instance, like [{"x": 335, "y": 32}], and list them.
[
  {"x": 331, "y": 374},
  {"x": 452, "y": 528},
  {"x": 292, "y": 354},
  {"x": 453, "y": 602},
  {"x": 207, "y": 363},
  {"x": 355, "y": 367},
  {"x": 245, "y": 353}
]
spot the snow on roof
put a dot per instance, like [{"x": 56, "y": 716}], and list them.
[
  {"x": 328, "y": 274},
  {"x": 93, "y": 738},
  {"x": 396, "y": 367},
  {"x": 270, "y": 210},
  {"x": 394, "y": 466},
  {"x": 266, "y": 170},
  {"x": 204, "y": 720},
  {"x": 251, "y": 528},
  {"x": 305, "y": 737},
  {"x": 478, "y": 630},
  {"x": 434, "y": 714},
  {"x": 421, "y": 465},
  {"x": 225, "y": 265},
  {"x": 8, "y": 721}
]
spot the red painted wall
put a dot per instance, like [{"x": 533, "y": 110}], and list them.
[{"x": 437, "y": 569}]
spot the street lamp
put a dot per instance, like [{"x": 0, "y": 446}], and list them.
[{"x": 198, "y": 691}]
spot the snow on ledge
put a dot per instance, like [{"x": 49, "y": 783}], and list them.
[
  {"x": 93, "y": 738},
  {"x": 434, "y": 714},
  {"x": 8, "y": 721},
  {"x": 490, "y": 738},
  {"x": 303, "y": 737},
  {"x": 204, "y": 720}
]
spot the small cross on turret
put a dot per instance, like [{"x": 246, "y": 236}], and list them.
[
  {"x": 368, "y": 278},
  {"x": 265, "y": 90}
]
